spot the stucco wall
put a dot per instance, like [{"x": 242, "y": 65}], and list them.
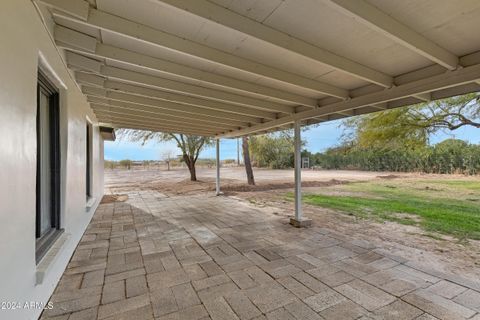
[{"x": 23, "y": 39}]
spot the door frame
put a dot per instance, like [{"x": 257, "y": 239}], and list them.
[{"x": 44, "y": 242}]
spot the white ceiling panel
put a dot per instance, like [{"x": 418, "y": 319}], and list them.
[
  {"x": 258, "y": 10},
  {"x": 123, "y": 42},
  {"x": 284, "y": 75},
  {"x": 322, "y": 26},
  {"x": 454, "y": 25},
  {"x": 257, "y": 50},
  {"x": 341, "y": 79},
  {"x": 151, "y": 13}
]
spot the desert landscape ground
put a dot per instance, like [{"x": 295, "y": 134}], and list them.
[{"x": 430, "y": 219}]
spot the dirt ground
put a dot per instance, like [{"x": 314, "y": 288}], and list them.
[{"x": 443, "y": 253}]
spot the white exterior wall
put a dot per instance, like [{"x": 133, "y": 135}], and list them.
[{"x": 23, "y": 38}]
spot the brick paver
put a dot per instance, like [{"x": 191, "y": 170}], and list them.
[{"x": 206, "y": 257}]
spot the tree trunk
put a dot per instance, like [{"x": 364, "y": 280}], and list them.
[
  {"x": 246, "y": 160},
  {"x": 191, "y": 167},
  {"x": 168, "y": 165},
  {"x": 193, "y": 173}
]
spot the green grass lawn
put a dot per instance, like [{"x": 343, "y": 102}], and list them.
[{"x": 446, "y": 206}]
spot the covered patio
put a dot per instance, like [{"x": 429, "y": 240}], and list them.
[
  {"x": 227, "y": 69},
  {"x": 149, "y": 256}
]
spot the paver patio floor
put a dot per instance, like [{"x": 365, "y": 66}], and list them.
[{"x": 206, "y": 257}]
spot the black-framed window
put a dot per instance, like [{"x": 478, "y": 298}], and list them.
[
  {"x": 88, "y": 164},
  {"x": 48, "y": 166}
]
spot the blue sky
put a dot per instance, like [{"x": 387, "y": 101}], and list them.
[{"x": 318, "y": 139}]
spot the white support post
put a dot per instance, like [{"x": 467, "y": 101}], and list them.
[
  {"x": 298, "y": 172},
  {"x": 218, "y": 167},
  {"x": 299, "y": 221}
]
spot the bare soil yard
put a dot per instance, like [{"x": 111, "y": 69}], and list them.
[{"x": 401, "y": 213}]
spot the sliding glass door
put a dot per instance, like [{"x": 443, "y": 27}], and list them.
[
  {"x": 48, "y": 166},
  {"x": 88, "y": 165}
]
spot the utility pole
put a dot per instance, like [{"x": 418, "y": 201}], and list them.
[
  {"x": 238, "y": 151},
  {"x": 217, "y": 164}
]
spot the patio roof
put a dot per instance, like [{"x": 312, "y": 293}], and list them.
[{"x": 228, "y": 68}]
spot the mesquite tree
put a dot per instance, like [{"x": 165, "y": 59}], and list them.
[
  {"x": 411, "y": 126},
  {"x": 190, "y": 145}
]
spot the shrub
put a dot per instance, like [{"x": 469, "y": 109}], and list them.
[
  {"x": 126, "y": 163},
  {"x": 449, "y": 156}
]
